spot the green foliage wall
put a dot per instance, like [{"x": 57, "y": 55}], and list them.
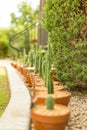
[
  {"x": 63, "y": 22},
  {"x": 3, "y": 43}
]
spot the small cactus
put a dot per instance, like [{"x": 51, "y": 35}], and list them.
[{"x": 50, "y": 103}]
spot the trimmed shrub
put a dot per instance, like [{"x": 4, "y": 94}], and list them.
[{"x": 63, "y": 22}]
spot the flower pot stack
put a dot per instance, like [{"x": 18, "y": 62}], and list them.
[{"x": 51, "y": 110}]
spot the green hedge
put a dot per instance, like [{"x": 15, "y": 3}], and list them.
[{"x": 63, "y": 22}]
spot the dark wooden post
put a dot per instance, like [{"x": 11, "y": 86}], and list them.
[{"x": 42, "y": 34}]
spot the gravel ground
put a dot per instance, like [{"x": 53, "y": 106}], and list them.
[{"x": 78, "y": 104}]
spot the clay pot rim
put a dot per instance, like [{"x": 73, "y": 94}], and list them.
[
  {"x": 56, "y": 87},
  {"x": 60, "y": 91}
]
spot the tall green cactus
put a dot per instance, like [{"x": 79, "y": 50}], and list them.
[
  {"x": 48, "y": 75},
  {"x": 31, "y": 63},
  {"x": 36, "y": 63},
  {"x": 48, "y": 78},
  {"x": 46, "y": 70},
  {"x": 16, "y": 57},
  {"x": 50, "y": 83},
  {"x": 50, "y": 103},
  {"x": 40, "y": 65},
  {"x": 44, "y": 67},
  {"x": 21, "y": 58},
  {"x": 24, "y": 56},
  {"x": 49, "y": 55},
  {"x": 27, "y": 61}
]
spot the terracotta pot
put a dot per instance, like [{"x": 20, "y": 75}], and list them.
[
  {"x": 31, "y": 69},
  {"x": 19, "y": 68},
  {"x": 55, "y": 83},
  {"x": 29, "y": 79},
  {"x": 14, "y": 65},
  {"x": 38, "y": 80},
  {"x": 55, "y": 119},
  {"x": 39, "y": 84},
  {"x": 60, "y": 97},
  {"x": 22, "y": 70},
  {"x": 37, "y": 75}
]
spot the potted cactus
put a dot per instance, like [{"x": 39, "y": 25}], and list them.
[
  {"x": 36, "y": 63},
  {"x": 30, "y": 61},
  {"x": 60, "y": 97},
  {"x": 38, "y": 68},
  {"x": 43, "y": 91},
  {"x": 50, "y": 116},
  {"x": 47, "y": 114}
]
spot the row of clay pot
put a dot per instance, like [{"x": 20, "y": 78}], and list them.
[{"x": 44, "y": 119}]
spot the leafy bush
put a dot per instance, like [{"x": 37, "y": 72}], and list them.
[
  {"x": 3, "y": 48},
  {"x": 63, "y": 22},
  {"x": 4, "y": 41}
]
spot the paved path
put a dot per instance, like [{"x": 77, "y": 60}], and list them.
[{"x": 17, "y": 114}]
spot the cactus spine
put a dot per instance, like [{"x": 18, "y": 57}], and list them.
[{"x": 50, "y": 103}]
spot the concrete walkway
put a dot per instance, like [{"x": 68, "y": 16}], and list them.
[{"x": 17, "y": 114}]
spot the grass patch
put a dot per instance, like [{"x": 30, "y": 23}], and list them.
[{"x": 4, "y": 90}]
